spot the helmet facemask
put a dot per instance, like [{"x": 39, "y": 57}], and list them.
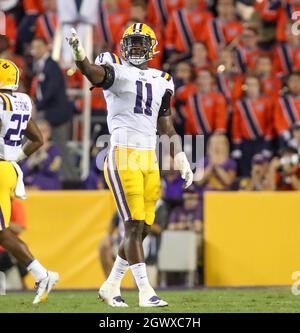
[{"x": 136, "y": 48}]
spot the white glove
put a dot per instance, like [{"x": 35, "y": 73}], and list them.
[
  {"x": 76, "y": 45},
  {"x": 182, "y": 164}
]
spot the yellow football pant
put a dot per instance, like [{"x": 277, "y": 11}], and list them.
[
  {"x": 8, "y": 181},
  {"x": 133, "y": 178}
]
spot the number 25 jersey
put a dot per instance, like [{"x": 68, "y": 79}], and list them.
[
  {"x": 15, "y": 112},
  {"x": 133, "y": 102}
]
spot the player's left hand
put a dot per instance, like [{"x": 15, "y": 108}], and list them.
[
  {"x": 76, "y": 45},
  {"x": 182, "y": 164}
]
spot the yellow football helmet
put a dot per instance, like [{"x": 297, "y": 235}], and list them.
[
  {"x": 138, "y": 44},
  {"x": 9, "y": 75}
]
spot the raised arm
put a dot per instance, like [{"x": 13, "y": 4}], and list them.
[
  {"x": 166, "y": 127},
  {"x": 97, "y": 75}
]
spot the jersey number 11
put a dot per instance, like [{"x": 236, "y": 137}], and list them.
[{"x": 139, "y": 99}]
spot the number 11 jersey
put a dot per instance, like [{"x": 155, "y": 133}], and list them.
[
  {"x": 15, "y": 112},
  {"x": 133, "y": 102}
]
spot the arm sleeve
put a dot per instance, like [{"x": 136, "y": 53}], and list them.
[
  {"x": 109, "y": 78},
  {"x": 165, "y": 105}
]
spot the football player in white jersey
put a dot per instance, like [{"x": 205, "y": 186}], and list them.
[
  {"x": 138, "y": 103},
  {"x": 15, "y": 123}
]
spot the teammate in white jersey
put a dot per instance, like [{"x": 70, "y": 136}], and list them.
[
  {"x": 15, "y": 123},
  {"x": 138, "y": 103}
]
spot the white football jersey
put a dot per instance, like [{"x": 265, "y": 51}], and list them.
[
  {"x": 15, "y": 112},
  {"x": 133, "y": 102}
]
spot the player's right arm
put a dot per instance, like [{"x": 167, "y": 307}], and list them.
[{"x": 97, "y": 75}]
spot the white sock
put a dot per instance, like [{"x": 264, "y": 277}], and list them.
[
  {"x": 38, "y": 271},
  {"x": 140, "y": 275},
  {"x": 118, "y": 271}
]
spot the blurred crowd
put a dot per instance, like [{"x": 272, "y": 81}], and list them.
[{"x": 236, "y": 69}]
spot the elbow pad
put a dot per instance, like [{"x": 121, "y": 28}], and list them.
[
  {"x": 165, "y": 105},
  {"x": 109, "y": 77}
]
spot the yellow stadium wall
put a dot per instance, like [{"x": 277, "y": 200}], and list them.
[
  {"x": 64, "y": 230},
  {"x": 251, "y": 239}
]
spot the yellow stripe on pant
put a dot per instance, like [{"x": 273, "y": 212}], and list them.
[
  {"x": 133, "y": 178},
  {"x": 8, "y": 180}
]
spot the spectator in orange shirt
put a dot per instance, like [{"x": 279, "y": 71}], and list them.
[
  {"x": 287, "y": 108},
  {"x": 285, "y": 14},
  {"x": 251, "y": 124},
  {"x": 279, "y": 12},
  {"x": 17, "y": 225},
  {"x": 228, "y": 81},
  {"x": 247, "y": 51},
  {"x": 159, "y": 11},
  {"x": 206, "y": 111},
  {"x": 271, "y": 84},
  {"x": 199, "y": 58},
  {"x": 185, "y": 27},
  {"x": 287, "y": 54},
  {"x": 223, "y": 29},
  {"x": 184, "y": 88},
  {"x": 46, "y": 23},
  {"x": 184, "y": 81}
]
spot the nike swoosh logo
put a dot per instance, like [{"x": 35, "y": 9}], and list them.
[{"x": 154, "y": 77}]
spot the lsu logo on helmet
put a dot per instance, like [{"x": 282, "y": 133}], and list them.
[
  {"x": 138, "y": 34},
  {"x": 9, "y": 75}
]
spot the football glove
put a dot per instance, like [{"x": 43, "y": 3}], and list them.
[
  {"x": 76, "y": 45},
  {"x": 182, "y": 164}
]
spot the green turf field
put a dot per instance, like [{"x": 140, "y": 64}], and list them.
[{"x": 203, "y": 300}]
